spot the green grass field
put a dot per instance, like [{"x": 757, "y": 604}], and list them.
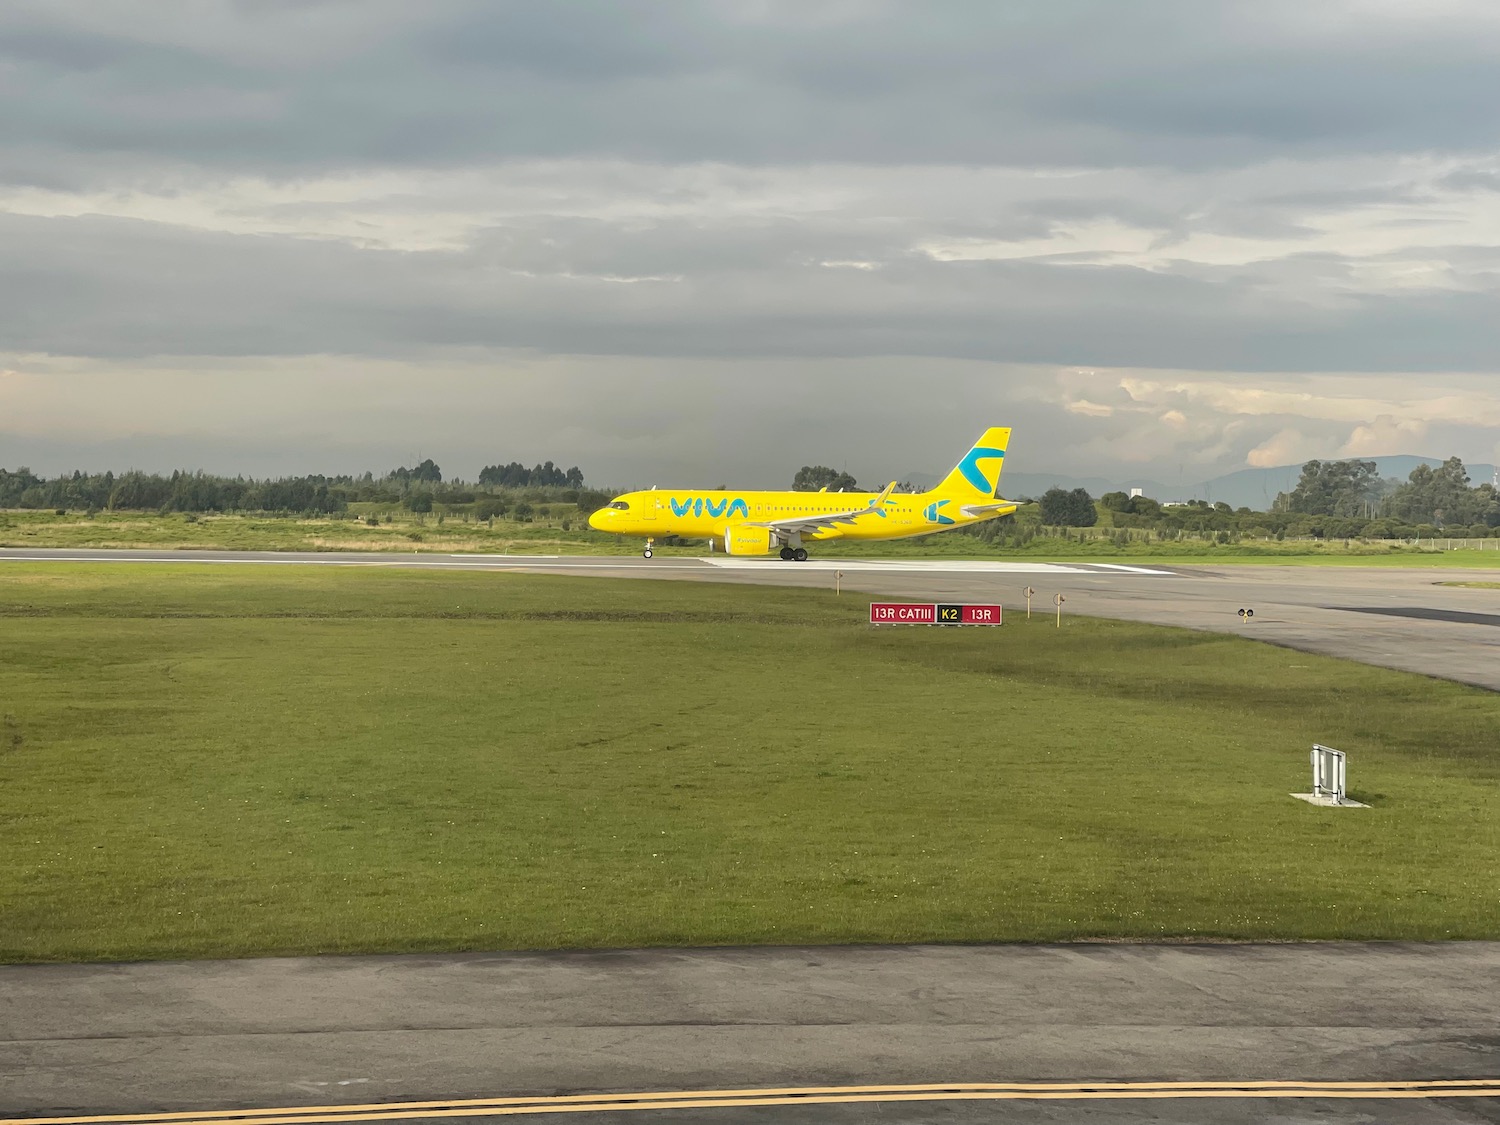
[
  {"x": 199, "y": 761},
  {"x": 443, "y": 533}
]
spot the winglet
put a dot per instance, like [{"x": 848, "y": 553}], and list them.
[{"x": 879, "y": 501}]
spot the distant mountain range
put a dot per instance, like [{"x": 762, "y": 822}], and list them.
[{"x": 1247, "y": 488}]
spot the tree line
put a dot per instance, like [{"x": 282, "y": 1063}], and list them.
[
  {"x": 1332, "y": 500},
  {"x": 1442, "y": 497},
  {"x": 417, "y": 488}
]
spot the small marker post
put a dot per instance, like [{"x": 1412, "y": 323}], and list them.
[
  {"x": 1058, "y": 601},
  {"x": 838, "y": 583},
  {"x": 1029, "y": 591}
]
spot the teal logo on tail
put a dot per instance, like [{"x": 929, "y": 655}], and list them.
[
  {"x": 972, "y": 473},
  {"x": 932, "y": 515}
]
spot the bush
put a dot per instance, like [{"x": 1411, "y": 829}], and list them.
[
  {"x": 372, "y": 521},
  {"x": 590, "y": 501},
  {"x": 1060, "y": 508},
  {"x": 524, "y": 511},
  {"x": 419, "y": 502}
]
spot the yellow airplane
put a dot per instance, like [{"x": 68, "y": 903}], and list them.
[{"x": 757, "y": 523}]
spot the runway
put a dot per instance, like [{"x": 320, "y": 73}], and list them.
[
  {"x": 1018, "y": 1033},
  {"x": 1394, "y": 617}
]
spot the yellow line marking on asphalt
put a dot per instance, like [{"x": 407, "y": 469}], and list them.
[{"x": 816, "y": 1095}]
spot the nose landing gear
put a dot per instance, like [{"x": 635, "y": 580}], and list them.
[{"x": 646, "y": 554}]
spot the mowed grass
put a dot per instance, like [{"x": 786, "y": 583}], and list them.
[
  {"x": 210, "y": 761},
  {"x": 440, "y": 533}
]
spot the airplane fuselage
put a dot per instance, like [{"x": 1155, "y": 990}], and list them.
[
  {"x": 755, "y": 523},
  {"x": 709, "y": 514}
]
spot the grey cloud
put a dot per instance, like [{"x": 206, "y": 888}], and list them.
[
  {"x": 704, "y": 181},
  {"x": 108, "y": 287},
  {"x": 1471, "y": 179},
  {"x": 1084, "y": 83}
]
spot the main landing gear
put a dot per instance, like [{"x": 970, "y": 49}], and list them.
[
  {"x": 646, "y": 554},
  {"x": 790, "y": 554}
]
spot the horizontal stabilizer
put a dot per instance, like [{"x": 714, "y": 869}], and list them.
[{"x": 974, "y": 511}]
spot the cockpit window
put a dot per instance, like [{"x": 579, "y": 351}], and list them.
[{"x": 620, "y": 505}]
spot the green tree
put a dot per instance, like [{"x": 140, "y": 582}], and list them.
[
  {"x": 419, "y": 502},
  {"x": 1061, "y": 508},
  {"x": 811, "y": 478},
  {"x": 1440, "y": 496},
  {"x": 591, "y": 501},
  {"x": 1335, "y": 488},
  {"x": 425, "y": 473}
]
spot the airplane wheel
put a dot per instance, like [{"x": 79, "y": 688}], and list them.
[
  {"x": 787, "y": 554},
  {"x": 646, "y": 553},
  {"x": 800, "y": 554}
]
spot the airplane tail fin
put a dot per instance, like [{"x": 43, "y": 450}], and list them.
[{"x": 978, "y": 474}]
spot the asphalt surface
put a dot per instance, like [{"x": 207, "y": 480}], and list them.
[
  {"x": 382, "y": 1032},
  {"x": 371, "y": 1031},
  {"x": 1395, "y": 617}
]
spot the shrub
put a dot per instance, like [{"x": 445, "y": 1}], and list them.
[{"x": 590, "y": 501}]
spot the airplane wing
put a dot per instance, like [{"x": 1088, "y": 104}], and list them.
[{"x": 810, "y": 523}]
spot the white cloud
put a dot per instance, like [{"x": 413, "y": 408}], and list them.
[
  {"x": 1090, "y": 409},
  {"x": 1282, "y": 448},
  {"x": 1386, "y": 434}
]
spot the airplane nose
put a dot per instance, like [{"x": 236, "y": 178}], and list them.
[{"x": 594, "y": 520}]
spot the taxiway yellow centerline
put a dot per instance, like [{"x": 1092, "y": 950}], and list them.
[{"x": 818, "y": 1095}]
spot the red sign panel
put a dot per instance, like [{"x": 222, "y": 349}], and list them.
[
  {"x": 920, "y": 613},
  {"x": 902, "y": 613}
]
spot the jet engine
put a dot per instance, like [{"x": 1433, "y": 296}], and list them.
[{"x": 741, "y": 540}]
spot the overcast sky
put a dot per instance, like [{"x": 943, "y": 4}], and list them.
[{"x": 711, "y": 242}]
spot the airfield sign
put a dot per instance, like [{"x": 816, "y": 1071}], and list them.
[{"x": 925, "y": 613}]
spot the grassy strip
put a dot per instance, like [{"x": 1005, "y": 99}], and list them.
[
  {"x": 406, "y": 532},
  {"x": 204, "y": 762}
]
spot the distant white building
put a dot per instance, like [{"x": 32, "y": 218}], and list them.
[{"x": 1134, "y": 492}]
